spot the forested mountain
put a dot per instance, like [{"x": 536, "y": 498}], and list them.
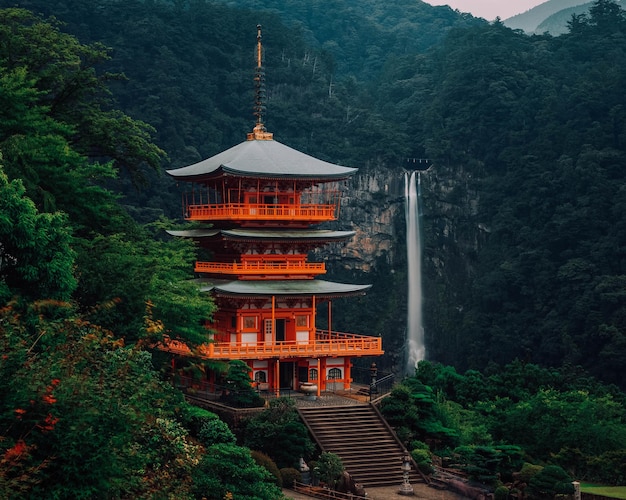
[
  {"x": 361, "y": 36},
  {"x": 529, "y": 20},
  {"x": 557, "y": 24},
  {"x": 547, "y": 280}
]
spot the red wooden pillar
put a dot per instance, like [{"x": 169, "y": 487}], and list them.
[
  {"x": 319, "y": 378},
  {"x": 322, "y": 375}
]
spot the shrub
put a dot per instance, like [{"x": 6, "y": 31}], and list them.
[
  {"x": 227, "y": 469},
  {"x": 241, "y": 393},
  {"x": 423, "y": 460},
  {"x": 418, "y": 445},
  {"x": 528, "y": 471},
  {"x": 551, "y": 480},
  {"x": 289, "y": 475},
  {"x": 501, "y": 493},
  {"x": 215, "y": 431},
  {"x": 266, "y": 462},
  {"x": 279, "y": 432},
  {"x": 329, "y": 468}
]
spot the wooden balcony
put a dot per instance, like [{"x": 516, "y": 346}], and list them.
[
  {"x": 261, "y": 212},
  {"x": 324, "y": 345},
  {"x": 265, "y": 268}
]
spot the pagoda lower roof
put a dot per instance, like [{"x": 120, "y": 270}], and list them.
[
  {"x": 265, "y": 159},
  {"x": 264, "y": 234},
  {"x": 284, "y": 288}
]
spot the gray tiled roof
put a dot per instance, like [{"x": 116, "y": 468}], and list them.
[
  {"x": 268, "y": 288},
  {"x": 264, "y": 234},
  {"x": 262, "y": 158}
]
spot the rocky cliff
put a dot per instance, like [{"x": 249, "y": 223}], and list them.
[{"x": 373, "y": 206}]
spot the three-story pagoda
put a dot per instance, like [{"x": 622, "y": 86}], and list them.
[{"x": 263, "y": 200}]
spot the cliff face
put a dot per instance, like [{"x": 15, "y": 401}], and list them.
[
  {"x": 452, "y": 234},
  {"x": 373, "y": 207}
]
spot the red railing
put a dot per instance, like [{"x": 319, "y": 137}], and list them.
[
  {"x": 259, "y": 211},
  {"x": 325, "y": 344},
  {"x": 260, "y": 267}
]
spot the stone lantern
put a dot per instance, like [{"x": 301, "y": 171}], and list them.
[{"x": 406, "y": 489}]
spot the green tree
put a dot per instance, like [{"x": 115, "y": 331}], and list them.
[
  {"x": 229, "y": 470},
  {"x": 216, "y": 431},
  {"x": 239, "y": 386},
  {"x": 279, "y": 432},
  {"x": 550, "y": 481},
  {"x": 72, "y": 94},
  {"x": 328, "y": 469},
  {"x": 414, "y": 411},
  {"x": 489, "y": 464},
  {"x": 136, "y": 284},
  {"x": 83, "y": 416},
  {"x": 36, "y": 259}
]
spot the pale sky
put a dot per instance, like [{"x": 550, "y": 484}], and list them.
[{"x": 490, "y": 9}]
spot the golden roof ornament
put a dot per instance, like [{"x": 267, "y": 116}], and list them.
[{"x": 259, "y": 133}]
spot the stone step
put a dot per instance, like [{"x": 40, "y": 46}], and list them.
[{"x": 369, "y": 450}]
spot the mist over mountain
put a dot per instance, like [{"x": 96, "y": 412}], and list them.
[{"x": 530, "y": 20}]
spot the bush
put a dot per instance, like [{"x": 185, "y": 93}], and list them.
[
  {"x": 609, "y": 468},
  {"x": 193, "y": 417},
  {"x": 215, "y": 431},
  {"x": 501, "y": 493},
  {"x": 418, "y": 445},
  {"x": 551, "y": 480},
  {"x": 289, "y": 475},
  {"x": 266, "y": 462},
  {"x": 528, "y": 471},
  {"x": 423, "y": 460},
  {"x": 227, "y": 469},
  {"x": 279, "y": 432},
  {"x": 241, "y": 393},
  {"x": 329, "y": 468}
]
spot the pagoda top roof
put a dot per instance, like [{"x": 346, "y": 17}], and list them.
[
  {"x": 264, "y": 234},
  {"x": 262, "y": 158},
  {"x": 285, "y": 288}
]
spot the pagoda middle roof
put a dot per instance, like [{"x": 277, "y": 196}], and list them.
[
  {"x": 285, "y": 288},
  {"x": 262, "y": 158},
  {"x": 264, "y": 234}
]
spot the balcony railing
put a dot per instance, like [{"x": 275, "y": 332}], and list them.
[
  {"x": 260, "y": 211},
  {"x": 325, "y": 344},
  {"x": 258, "y": 267}
]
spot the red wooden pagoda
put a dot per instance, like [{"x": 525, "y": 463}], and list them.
[{"x": 262, "y": 200}]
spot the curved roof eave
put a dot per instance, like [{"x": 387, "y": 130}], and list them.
[
  {"x": 252, "y": 234},
  {"x": 285, "y": 288},
  {"x": 262, "y": 158}
]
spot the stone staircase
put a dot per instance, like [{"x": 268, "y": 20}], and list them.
[{"x": 367, "y": 446}]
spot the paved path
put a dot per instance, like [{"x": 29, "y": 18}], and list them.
[{"x": 421, "y": 490}]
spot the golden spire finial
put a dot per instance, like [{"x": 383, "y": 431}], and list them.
[{"x": 259, "y": 133}]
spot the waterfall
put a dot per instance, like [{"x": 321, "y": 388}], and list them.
[{"x": 415, "y": 330}]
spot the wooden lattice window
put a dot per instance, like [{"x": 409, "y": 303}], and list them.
[{"x": 334, "y": 373}]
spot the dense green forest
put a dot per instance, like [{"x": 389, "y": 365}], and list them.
[
  {"x": 97, "y": 102},
  {"x": 550, "y": 278},
  {"x": 500, "y": 426}
]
